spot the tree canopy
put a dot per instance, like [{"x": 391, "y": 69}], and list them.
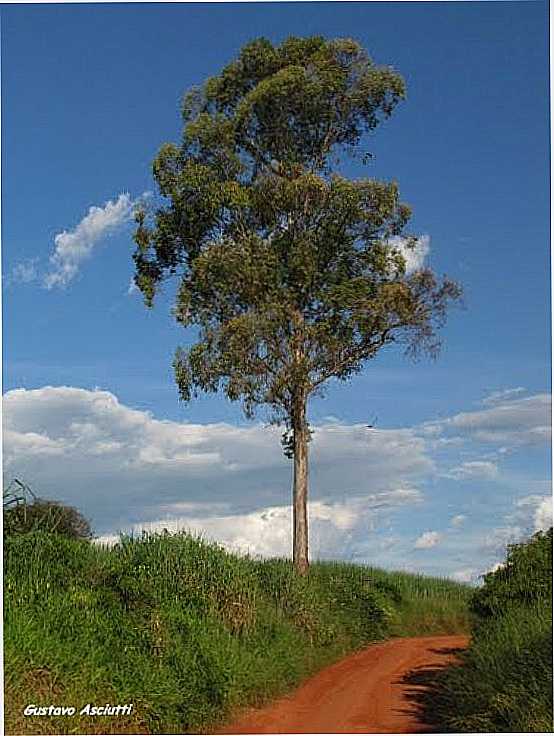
[{"x": 290, "y": 270}]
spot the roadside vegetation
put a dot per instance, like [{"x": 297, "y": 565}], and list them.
[
  {"x": 186, "y": 631},
  {"x": 504, "y": 680}
]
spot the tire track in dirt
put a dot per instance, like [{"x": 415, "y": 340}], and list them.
[{"x": 371, "y": 691}]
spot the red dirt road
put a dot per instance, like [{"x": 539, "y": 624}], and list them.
[{"x": 367, "y": 692}]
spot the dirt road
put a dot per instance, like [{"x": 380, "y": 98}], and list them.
[{"x": 373, "y": 691}]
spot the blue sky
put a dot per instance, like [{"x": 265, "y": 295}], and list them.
[{"x": 89, "y": 93}]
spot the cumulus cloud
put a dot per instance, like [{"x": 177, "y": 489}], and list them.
[
  {"x": 532, "y": 513},
  {"x": 415, "y": 255},
  {"x": 484, "y": 469},
  {"x": 336, "y": 528},
  {"x": 122, "y": 466},
  {"x": 543, "y": 514},
  {"x": 73, "y": 247},
  {"x": 458, "y": 520},
  {"x": 129, "y": 470},
  {"x": 527, "y": 515},
  {"x": 512, "y": 422},
  {"x": 427, "y": 540}
]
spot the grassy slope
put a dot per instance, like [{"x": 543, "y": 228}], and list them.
[
  {"x": 504, "y": 683},
  {"x": 185, "y": 631}
]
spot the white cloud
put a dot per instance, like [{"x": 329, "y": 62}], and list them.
[
  {"x": 528, "y": 515},
  {"x": 335, "y": 527},
  {"x": 415, "y": 256},
  {"x": 123, "y": 467},
  {"x": 499, "y": 397},
  {"x": 543, "y": 514},
  {"x": 533, "y": 513},
  {"x": 427, "y": 540},
  {"x": 496, "y": 540},
  {"x": 512, "y": 423},
  {"x": 458, "y": 520},
  {"x": 466, "y": 575},
  {"x": 75, "y": 246},
  {"x": 126, "y": 469},
  {"x": 24, "y": 272},
  {"x": 483, "y": 469},
  {"x": 32, "y": 443}
]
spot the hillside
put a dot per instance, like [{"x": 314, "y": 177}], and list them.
[{"x": 185, "y": 631}]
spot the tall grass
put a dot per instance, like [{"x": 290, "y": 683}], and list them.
[
  {"x": 504, "y": 681},
  {"x": 185, "y": 631}
]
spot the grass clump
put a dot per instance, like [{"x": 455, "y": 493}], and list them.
[
  {"x": 504, "y": 680},
  {"x": 183, "y": 630}
]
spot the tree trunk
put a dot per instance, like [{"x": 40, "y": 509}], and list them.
[{"x": 300, "y": 487}]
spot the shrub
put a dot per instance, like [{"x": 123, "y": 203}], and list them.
[
  {"x": 525, "y": 577},
  {"x": 47, "y": 516},
  {"x": 24, "y": 512}
]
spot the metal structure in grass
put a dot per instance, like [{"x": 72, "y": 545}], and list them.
[{"x": 290, "y": 271}]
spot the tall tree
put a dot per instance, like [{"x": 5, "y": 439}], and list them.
[{"x": 291, "y": 272}]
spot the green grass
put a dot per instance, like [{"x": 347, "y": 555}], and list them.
[
  {"x": 504, "y": 683},
  {"x": 504, "y": 680},
  {"x": 186, "y": 631}
]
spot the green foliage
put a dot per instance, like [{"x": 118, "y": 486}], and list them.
[
  {"x": 180, "y": 628},
  {"x": 38, "y": 563},
  {"x": 290, "y": 272},
  {"x": 504, "y": 680},
  {"x": 287, "y": 268},
  {"x": 525, "y": 577}
]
